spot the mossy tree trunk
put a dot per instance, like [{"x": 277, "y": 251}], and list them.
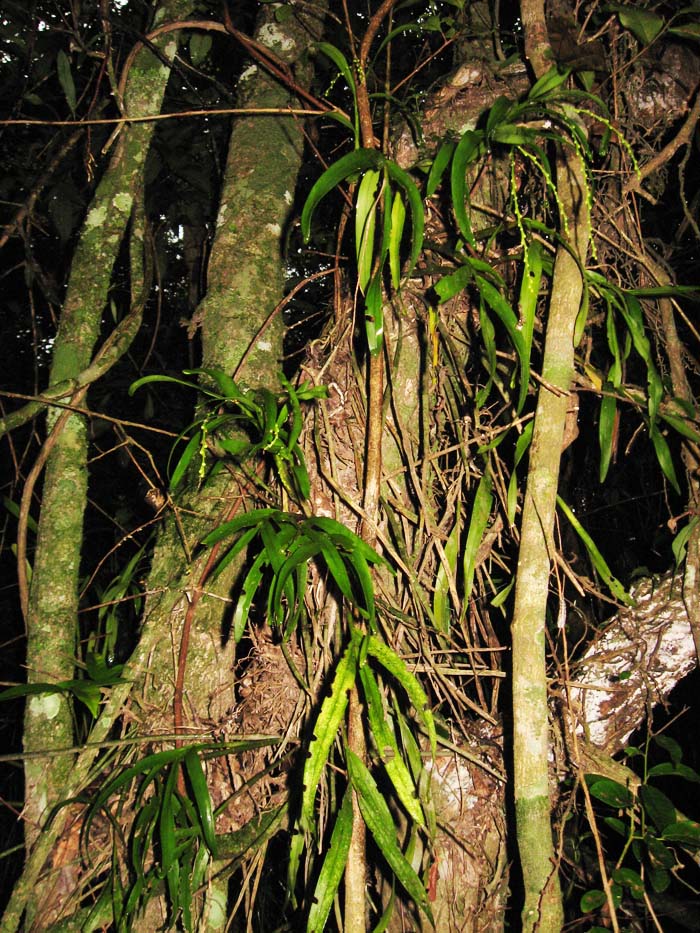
[{"x": 52, "y": 608}]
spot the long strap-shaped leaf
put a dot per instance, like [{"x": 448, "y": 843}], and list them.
[{"x": 380, "y": 823}]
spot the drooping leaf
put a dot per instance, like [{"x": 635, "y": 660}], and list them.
[
  {"x": 202, "y": 798},
  {"x": 606, "y": 433},
  {"x": 365, "y": 222},
  {"x": 385, "y": 741},
  {"x": 354, "y": 163},
  {"x": 398, "y": 218},
  {"x": 326, "y": 728},
  {"x": 437, "y": 169},
  {"x": 396, "y": 666},
  {"x": 332, "y": 869},
  {"x": 467, "y": 150},
  {"x": 65, "y": 77},
  {"x": 377, "y": 816},
  {"x": 415, "y": 203},
  {"x": 597, "y": 559},
  {"x": 374, "y": 314}
]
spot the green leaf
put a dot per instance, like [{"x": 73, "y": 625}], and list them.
[
  {"x": 609, "y": 791},
  {"x": 629, "y": 878},
  {"x": 468, "y": 148},
  {"x": 548, "y": 83},
  {"x": 383, "y": 736},
  {"x": 597, "y": 559},
  {"x": 592, "y": 900},
  {"x": 481, "y": 512},
  {"x": 643, "y": 24},
  {"x": 495, "y": 300},
  {"x": 452, "y": 284},
  {"x": 415, "y": 204},
  {"x": 521, "y": 448},
  {"x": 396, "y": 666},
  {"x": 341, "y": 63},
  {"x": 200, "y": 46},
  {"x": 255, "y": 519},
  {"x": 501, "y": 108},
  {"x": 332, "y": 869},
  {"x": 377, "y": 816},
  {"x": 398, "y": 219},
  {"x": 660, "y": 879},
  {"x": 669, "y": 745},
  {"x": 191, "y": 448},
  {"x": 65, "y": 77},
  {"x": 326, "y": 728},
  {"x": 202, "y": 798},
  {"x": 657, "y": 806},
  {"x": 374, "y": 314},
  {"x": 684, "y": 832},
  {"x": 437, "y": 169},
  {"x": 529, "y": 291},
  {"x": 606, "y": 433},
  {"x": 354, "y": 163},
  {"x": 663, "y": 455},
  {"x": 365, "y": 222}
]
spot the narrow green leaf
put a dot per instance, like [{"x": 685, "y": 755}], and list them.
[
  {"x": 398, "y": 218},
  {"x": 365, "y": 222},
  {"x": 481, "y": 512},
  {"x": 606, "y": 433},
  {"x": 502, "y": 308},
  {"x": 283, "y": 584},
  {"x": 377, "y": 816},
  {"x": 374, "y": 314},
  {"x": 529, "y": 291},
  {"x": 415, "y": 204},
  {"x": 450, "y": 285},
  {"x": 333, "y": 868},
  {"x": 396, "y": 666},
  {"x": 502, "y": 108},
  {"x": 341, "y": 63},
  {"x": 599, "y": 562},
  {"x": 326, "y": 728},
  {"x": 192, "y": 447},
  {"x": 166, "y": 824},
  {"x": 663, "y": 456},
  {"x": 353, "y": 163},
  {"x": 437, "y": 169},
  {"x": 255, "y": 519},
  {"x": 521, "y": 447},
  {"x": 202, "y": 798},
  {"x": 383, "y": 736},
  {"x": 549, "y": 82},
  {"x": 467, "y": 150},
  {"x": 65, "y": 77}
]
